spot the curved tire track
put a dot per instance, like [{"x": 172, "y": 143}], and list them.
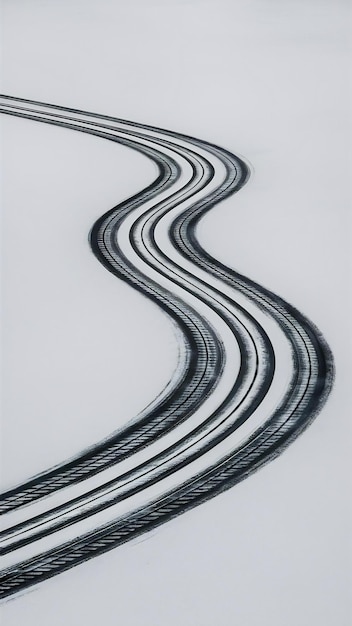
[{"x": 217, "y": 310}]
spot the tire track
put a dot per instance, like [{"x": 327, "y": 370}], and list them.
[{"x": 214, "y": 427}]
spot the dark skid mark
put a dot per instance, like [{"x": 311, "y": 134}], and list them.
[{"x": 203, "y": 368}]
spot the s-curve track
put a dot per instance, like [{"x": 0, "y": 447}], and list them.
[{"x": 252, "y": 372}]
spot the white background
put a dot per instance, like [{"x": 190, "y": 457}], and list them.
[{"x": 83, "y": 352}]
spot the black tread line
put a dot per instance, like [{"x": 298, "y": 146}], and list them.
[{"x": 262, "y": 447}]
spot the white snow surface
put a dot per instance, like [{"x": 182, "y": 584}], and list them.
[{"x": 266, "y": 79}]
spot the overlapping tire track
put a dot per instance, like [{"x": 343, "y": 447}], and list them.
[{"x": 219, "y": 421}]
